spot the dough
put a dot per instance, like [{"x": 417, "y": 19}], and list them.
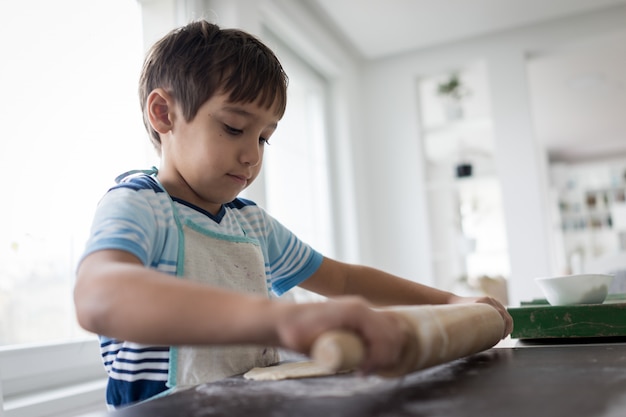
[{"x": 289, "y": 370}]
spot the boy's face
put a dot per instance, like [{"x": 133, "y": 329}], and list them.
[{"x": 211, "y": 159}]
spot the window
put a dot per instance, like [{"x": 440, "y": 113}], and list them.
[
  {"x": 71, "y": 123},
  {"x": 297, "y": 169}
]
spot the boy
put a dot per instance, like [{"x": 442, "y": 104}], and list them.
[{"x": 179, "y": 275}]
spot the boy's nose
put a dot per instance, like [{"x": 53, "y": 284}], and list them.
[{"x": 251, "y": 153}]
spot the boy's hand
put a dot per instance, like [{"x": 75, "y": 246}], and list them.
[
  {"x": 508, "y": 320},
  {"x": 383, "y": 334}
]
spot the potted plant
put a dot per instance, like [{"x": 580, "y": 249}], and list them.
[{"x": 452, "y": 91}]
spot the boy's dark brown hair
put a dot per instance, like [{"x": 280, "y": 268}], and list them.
[{"x": 196, "y": 61}]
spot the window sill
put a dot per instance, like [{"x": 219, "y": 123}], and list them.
[
  {"x": 56, "y": 379},
  {"x": 67, "y": 401}
]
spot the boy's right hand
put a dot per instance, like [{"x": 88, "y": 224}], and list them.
[{"x": 384, "y": 335}]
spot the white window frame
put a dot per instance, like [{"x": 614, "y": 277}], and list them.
[
  {"x": 60, "y": 378},
  {"x": 337, "y": 65},
  {"x": 314, "y": 175}
]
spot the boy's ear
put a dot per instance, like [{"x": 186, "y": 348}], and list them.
[{"x": 160, "y": 107}]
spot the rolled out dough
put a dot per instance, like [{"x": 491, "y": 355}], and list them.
[{"x": 290, "y": 370}]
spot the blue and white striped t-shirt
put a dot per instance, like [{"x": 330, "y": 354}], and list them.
[{"x": 136, "y": 216}]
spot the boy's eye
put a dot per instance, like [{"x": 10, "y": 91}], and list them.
[
  {"x": 231, "y": 130},
  {"x": 236, "y": 132}
]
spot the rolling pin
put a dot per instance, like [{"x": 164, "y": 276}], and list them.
[{"x": 437, "y": 334}]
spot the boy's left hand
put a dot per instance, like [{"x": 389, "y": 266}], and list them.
[{"x": 508, "y": 320}]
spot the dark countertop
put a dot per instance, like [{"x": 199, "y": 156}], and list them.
[{"x": 568, "y": 380}]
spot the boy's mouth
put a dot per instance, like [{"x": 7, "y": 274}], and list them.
[{"x": 242, "y": 179}]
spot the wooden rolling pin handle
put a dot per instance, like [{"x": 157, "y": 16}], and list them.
[{"x": 338, "y": 350}]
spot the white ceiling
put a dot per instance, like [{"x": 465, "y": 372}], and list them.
[{"x": 581, "y": 118}]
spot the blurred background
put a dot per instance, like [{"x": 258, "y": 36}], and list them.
[{"x": 472, "y": 145}]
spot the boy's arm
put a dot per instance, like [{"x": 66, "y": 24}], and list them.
[
  {"x": 335, "y": 278},
  {"x": 380, "y": 288},
  {"x": 115, "y": 295}
]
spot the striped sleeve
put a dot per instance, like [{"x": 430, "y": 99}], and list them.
[
  {"x": 135, "y": 221},
  {"x": 291, "y": 261}
]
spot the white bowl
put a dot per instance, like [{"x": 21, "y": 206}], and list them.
[{"x": 575, "y": 289}]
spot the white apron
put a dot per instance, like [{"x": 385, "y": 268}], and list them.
[{"x": 230, "y": 262}]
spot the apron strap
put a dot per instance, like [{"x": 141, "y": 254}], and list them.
[{"x": 151, "y": 171}]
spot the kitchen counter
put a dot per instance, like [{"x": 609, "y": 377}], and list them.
[{"x": 559, "y": 380}]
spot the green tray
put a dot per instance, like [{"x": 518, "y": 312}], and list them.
[{"x": 537, "y": 319}]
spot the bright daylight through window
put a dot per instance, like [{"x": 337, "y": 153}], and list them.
[
  {"x": 297, "y": 168},
  {"x": 70, "y": 123}
]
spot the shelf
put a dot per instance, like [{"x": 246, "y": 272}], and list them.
[
  {"x": 590, "y": 210},
  {"x": 460, "y": 126},
  {"x": 447, "y": 143},
  {"x": 460, "y": 140}
]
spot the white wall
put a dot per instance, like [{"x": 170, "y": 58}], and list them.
[{"x": 396, "y": 232}]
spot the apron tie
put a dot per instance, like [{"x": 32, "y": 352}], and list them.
[{"x": 151, "y": 171}]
